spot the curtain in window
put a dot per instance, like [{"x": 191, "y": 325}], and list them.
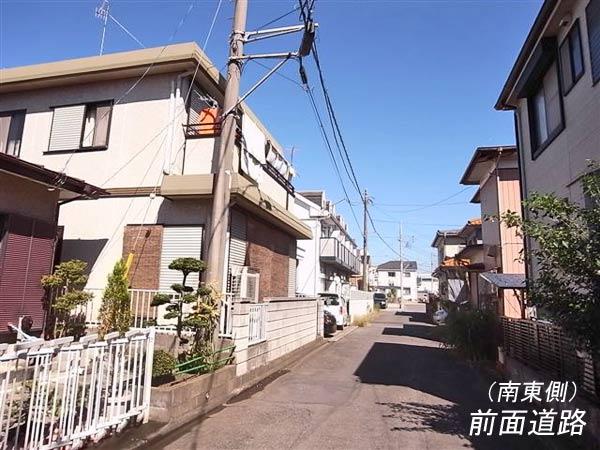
[
  {"x": 102, "y": 121},
  {"x": 89, "y": 127},
  {"x": 4, "y": 127},
  {"x": 15, "y": 134},
  {"x": 552, "y": 94}
]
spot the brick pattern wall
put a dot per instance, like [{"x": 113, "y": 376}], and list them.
[
  {"x": 269, "y": 252},
  {"x": 145, "y": 268}
]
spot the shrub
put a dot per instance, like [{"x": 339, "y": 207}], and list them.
[
  {"x": 64, "y": 294},
  {"x": 365, "y": 319},
  {"x": 163, "y": 366},
  {"x": 472, "y": 333},
  {"x": 115, "y": 312}
]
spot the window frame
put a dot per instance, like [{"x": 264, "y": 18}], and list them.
[
  {"x": 391, "y": 274},
  {"x": 575, "y": 28},
  {"x": 81, "y": 149},
  {"x": 11, "y": 113},
  {"x": 595, "y": 78},
  {"x": 538, "y": 148}
]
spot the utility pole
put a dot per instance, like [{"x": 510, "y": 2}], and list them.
[
  {"x": 401, "y": 262},
  {"x": 224, "y": 155},
  {"x": 365, "y": 262}
]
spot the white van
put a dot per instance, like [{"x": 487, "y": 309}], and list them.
[{"x": 336, "y": 305}]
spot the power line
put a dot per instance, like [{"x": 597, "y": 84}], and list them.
[
  {"x": 330, "y": 150},
  {"x": 277, "y": 19}
]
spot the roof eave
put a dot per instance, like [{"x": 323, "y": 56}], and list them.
[{"x": 548, "y": 7}]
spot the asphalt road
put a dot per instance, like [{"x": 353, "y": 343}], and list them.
[{"x": 384, "y": 386}]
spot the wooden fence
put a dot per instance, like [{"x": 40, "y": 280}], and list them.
[{"x": 546, "y": 348}]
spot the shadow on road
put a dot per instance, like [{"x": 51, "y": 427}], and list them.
[{"x": 419, "y": 331}]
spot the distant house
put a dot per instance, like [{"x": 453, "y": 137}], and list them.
[
  {"x": 450, "y": 270},
  {"x": 30, "y": 196},
  {"x": 427, "y": 284},
  {"x": 398, "y": 276},
  {"x": 471, "y": 257},
  {"x": 495, "y": 170},
  {"x": 330, "y": 261},
  {"x": 554, "y": 91}
]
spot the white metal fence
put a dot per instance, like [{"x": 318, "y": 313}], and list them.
[
  {"x": 62, "y": 394},
  {"x": 226, "y": 316},
  {"x": 257, "y": 323},
  {"x": 144, "y": 315}
]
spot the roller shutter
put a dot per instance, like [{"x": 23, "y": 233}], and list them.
[
  {"x": 27, "y": 255},
  {"x": 179, "y": 242},
  {"x": 292, "y": 277},
  {"x": 238, "y": 243},
  {"x": 67, "y": 124}
]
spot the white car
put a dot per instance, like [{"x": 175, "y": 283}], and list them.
[
  {"x": 440, "y": 316},
  {"x": 337, "y": 306}
]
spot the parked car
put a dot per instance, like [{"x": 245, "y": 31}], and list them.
[
  {"x": 440, "y": 316},
  {"x": 379, "y": 300},
  {"x": 329, "y": 323},
  {"x": 337, "y": 306}
]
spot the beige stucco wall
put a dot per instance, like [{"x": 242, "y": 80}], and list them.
[
  {"x": 139, "y": 147},
  {"x": 94, "y": 229},
  {"x": 558, "y": 167},
  {"x": 134, "y": 123},
  {"x": 26, "y": 198}
]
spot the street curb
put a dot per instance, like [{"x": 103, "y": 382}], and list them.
[{"x": 342, "y": 334}]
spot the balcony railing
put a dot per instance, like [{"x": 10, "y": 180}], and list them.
[{"x": 336, "y": 253}]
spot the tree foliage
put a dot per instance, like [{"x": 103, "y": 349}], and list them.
[
  {"x": 64, "y": 293},
  {"x": 565, "y": 251},
  {"x": 115, "y": 312},
  {"x": 201, "y": 319}
]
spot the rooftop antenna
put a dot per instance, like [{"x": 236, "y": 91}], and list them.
[{"x": 102, "y": 13}]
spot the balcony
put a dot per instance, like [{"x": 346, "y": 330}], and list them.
[{"x": 338, "y": 255}]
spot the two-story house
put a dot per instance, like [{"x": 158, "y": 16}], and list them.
[
  {"x": 329, "y": 261},
  {"x": 471, "y": 257},
  {"x": 495, "y": 170},
  {"x": 144, "y": 125},
  {"x": 398, "y": 276},
  {"x": 554, "y": 91},
  {"x": 450, "y": 270}
]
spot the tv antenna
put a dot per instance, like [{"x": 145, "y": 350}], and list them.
[{"x": 103, "y": 13}]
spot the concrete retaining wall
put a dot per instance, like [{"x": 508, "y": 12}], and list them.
[
  {"x": 291, "y": 324},
  {"x": 179, "y": 403}
]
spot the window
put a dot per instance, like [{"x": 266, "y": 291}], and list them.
[
  {"x": 391, "y": 274},
  {"x": 545, "y": 112},
  {"x": 406, "y": 274},
  {"x": 80, "y": 127},
  {"x": 592, "y": 13},
  {"x": 571, "y": 58},
  {"x": 406, "y": 291},
  {"x": 11, "y": 132}
]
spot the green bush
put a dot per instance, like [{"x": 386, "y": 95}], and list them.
[
  {"x": 163, "y": 366},
  {"x": 473, "y": 334}
]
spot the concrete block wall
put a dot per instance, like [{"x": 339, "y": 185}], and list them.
[{"x": 291, "y": 323}]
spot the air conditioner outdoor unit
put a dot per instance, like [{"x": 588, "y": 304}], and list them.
[{"x": 245, "y": 283}]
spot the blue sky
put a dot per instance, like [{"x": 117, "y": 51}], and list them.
[{"x": 413, "y": 84}]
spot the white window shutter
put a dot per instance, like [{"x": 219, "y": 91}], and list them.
[
  {"x": 67, "y": 123},
  {"x": 179, "y": 242}
]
